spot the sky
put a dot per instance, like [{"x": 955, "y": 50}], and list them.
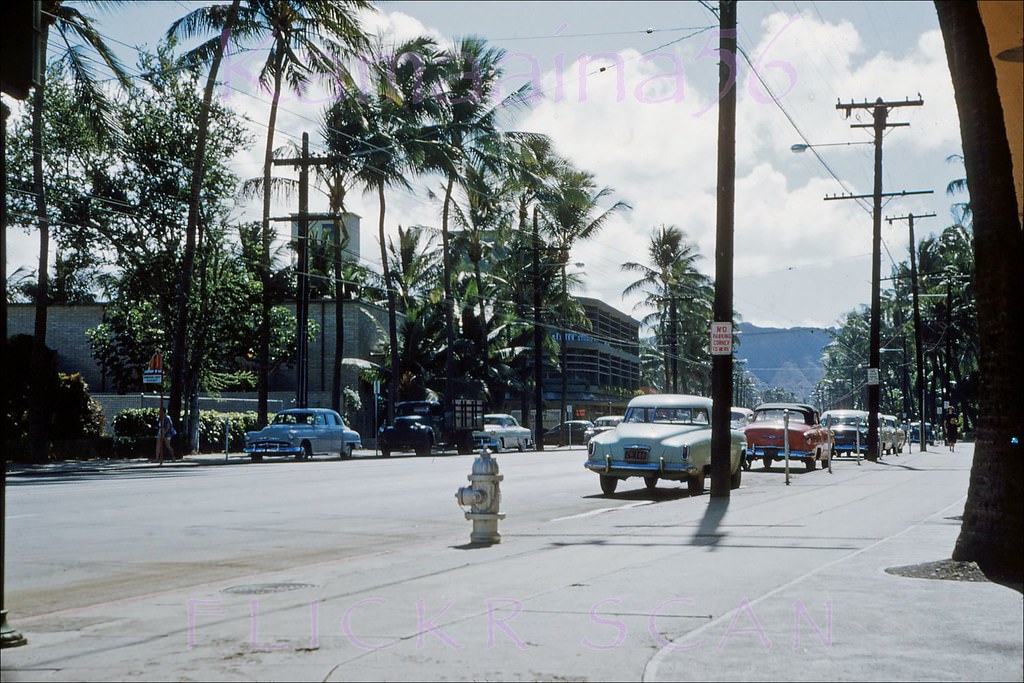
[{"x": 628, "y": 92}]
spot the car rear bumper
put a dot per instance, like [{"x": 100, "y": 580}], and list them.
[{"x": 778, "y": 453}]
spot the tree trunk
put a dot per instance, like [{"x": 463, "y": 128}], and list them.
[
  {"x": 266, "y": 237},
  {"x": 178, "y": 379},
  {"x": 992, "y": 522},
  {"x": 37, "y": 409},
  {"x": 392, "y": 315}
]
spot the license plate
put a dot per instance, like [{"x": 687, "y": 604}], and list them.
[{"x": 636, "y": 454}]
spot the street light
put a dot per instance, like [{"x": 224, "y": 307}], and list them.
[{"x": 800, "y": 147}]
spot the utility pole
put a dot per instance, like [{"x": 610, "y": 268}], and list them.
[
  {"x": 302, "y": 248},
  {"x": 721, "y": 365},
  {"x": 880, "y": 112},
  {"x": 919, "y": 350}
]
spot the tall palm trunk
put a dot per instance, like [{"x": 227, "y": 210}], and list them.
[
  {"x": 392, "y": 315},
  {"x": 37, "y": 399},
  {"x": 449, "y": 316},
  {"x": 993, "y": 521},
  {"x": 188, "y": 257},
  {"x": 263, "y": 353}
]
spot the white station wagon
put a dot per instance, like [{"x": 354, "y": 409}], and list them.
[{"x": 663, "y": 436}]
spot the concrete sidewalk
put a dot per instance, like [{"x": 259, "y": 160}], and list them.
[{"x": 769, "y": 584}]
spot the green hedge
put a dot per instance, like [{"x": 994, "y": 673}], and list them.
[{"x": 135, "y": 430}]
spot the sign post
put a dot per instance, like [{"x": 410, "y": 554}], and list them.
[{"x": 154, "y": 374}]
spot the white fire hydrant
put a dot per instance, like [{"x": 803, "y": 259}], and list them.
[{"x": 483, "y": 495}]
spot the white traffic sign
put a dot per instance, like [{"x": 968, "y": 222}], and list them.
[
  {"x": 152, "y": 377},
  {"x": 721, "y": 339}
]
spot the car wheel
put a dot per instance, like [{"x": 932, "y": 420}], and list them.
[
  {"x": 695, "y": 484},
  {"x": 346, "y": 451},
  {"x": 734, "y": 479},
  {"x": 651, "y": 483},
  {"x": 257, "y": 458},
  {"x": 608, "y": 484},
  {"x": 423, "y": 450},
  {"x": 385, "y": 451},
  {"x": 811, "y": 463},
  {"x": 307, "y": 451},
  {"x": 767, "y": 463},
  {"x": 745, "y": 462},
  {"x": 522, "y": 445}
]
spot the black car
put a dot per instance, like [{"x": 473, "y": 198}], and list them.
[
  {"x": 571, "y": 433},
  {"x": 407, "y": 433}
]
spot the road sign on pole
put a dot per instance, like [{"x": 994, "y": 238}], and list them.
[
  {"x": 154, "y": 374},
  {"x": 721, "y": 339}
]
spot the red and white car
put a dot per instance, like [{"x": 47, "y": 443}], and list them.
[{"x": 766, "y": 435}]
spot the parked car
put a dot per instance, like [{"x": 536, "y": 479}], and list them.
[
  {"x": 420, "y": 426},
  {"x": 892, "y": 435},
  {"x": 808, "y": 439},
  {"x": 662, "y": 436},
  {"x": 303, "y": 433},
  {"x": 507, "y": 432},
  {"x": 929, "y": 433},
  {"x": 569, "y": 433},
  {"x": 849, "y": 430},
  {"x": 602, "y": 424},
  {"x": 740, "y": 417}
]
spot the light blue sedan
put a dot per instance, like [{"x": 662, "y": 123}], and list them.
[{"x": 303, "y": 433}]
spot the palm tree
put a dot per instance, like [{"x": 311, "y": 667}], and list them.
[
  {"x": 671, "y": 279},
  {"x": 298, "y": 30},
  {"x": 994, "y": 513},
  {"x": 72, "y": 26},
  {"x": 394, "y": 114},
  {"x": 471, "y": 73},
  {"x": 573, "y": 212}
]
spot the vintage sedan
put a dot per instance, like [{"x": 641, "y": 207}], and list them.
[
  {"x": 767, "y": 435},
  {"x": 602, "y": 424},
  {"x": 849, "y": 430},
  {"x": 570, "y": 433},
  {"x": 506, "y": 432},
  {"x": 891, "y": 433},
  {"x": 662, "y": 436},
  {"x": 303, "y": 433},
  {"x": 740, "y": 417}
]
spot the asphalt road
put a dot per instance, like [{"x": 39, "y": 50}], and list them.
[{"x": 362, "y": 570}]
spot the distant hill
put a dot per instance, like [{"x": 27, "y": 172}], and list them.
[{"x": 787, "y": 358}]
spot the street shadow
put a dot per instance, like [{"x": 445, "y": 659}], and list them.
[
  {"x": 655, "y": 495},
  {"x": 707, "y": 532},
  {"x": 44, "y": 479}
]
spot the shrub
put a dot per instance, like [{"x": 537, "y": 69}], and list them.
[{"x": 136, "y": 425}]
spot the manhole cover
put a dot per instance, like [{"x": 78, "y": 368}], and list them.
[{"x": 263, "y": 588}]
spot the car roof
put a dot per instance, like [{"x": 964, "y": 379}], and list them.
[
  {"x": 786, "y": 406},
  {"x": 497, "y": 415},
  {"x": 845, "y": 411},
  {"x": 667, "y": 400}
]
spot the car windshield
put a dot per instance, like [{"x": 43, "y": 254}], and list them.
[
  {"x": 293, "y": 419},
  {"x": 494, "y": 420},
  {"x": 607, "y": 421},
  {"x": 667, "y": 415},
  {"x": 846, "y": 420},
  {"x": 778, "y": 414}
]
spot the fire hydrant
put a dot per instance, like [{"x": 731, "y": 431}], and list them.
[{"x": 483, "y": 495}]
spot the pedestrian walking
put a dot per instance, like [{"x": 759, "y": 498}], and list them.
[
  {"x": 952, "y": 428},
  {"x": 164, "y": 433}
]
